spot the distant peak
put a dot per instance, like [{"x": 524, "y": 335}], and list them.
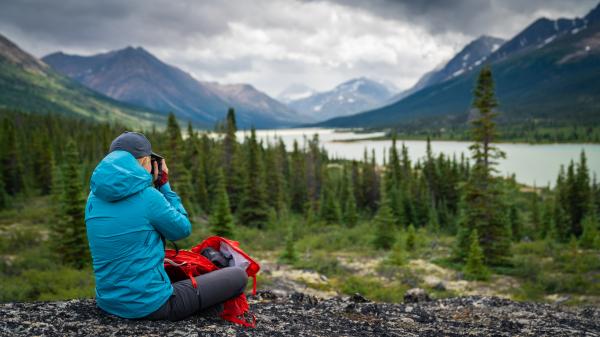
[{"x": 133, "y": 50}]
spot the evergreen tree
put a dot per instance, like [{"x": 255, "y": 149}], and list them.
[
  {"x": 590, "y": 236},
  {"x": 221, "y": 220},
  {"x": 69, "y": 232},
  {"x": 536, "y": 220},
  {"x": 433, "y": 222},
  {"x": 4, "y": 199},
  {"x": 475, "y": 268},
  {"x": 232, "y": 161},
  {"x": 180, "y": 178},
  {"x": 11, "y": 160},
  {"x": 411, "y": 238},
  {"x": 514, "y": 219},
  {"x": 330, "y": 208},
  {"x": 397, "y": 256},
  {"x": 253, "y": 210},
  {"x": 384, "y": 224},
  {"x": 582, "y": 194},
  {"x": 483, "y": 200},
  {"x": 199, "y": 183},
  {"x": 350, "y": 211},
  {"x": 289, "y": 254},
  {"x": 298, "y": 193}
]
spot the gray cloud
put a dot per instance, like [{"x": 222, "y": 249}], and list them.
[
  {"x": 272, "y": 44},
  {"x": 502, "y": 18}
]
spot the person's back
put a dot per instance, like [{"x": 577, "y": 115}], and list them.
[
  {"x": 130, "y": 211},
  {"x": 123, "y": 214}
]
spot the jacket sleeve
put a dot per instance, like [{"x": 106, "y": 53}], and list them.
[{"x": 167, "y": 215}]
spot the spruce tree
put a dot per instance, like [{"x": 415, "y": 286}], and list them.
[
  {"x": 385, "y": 229},
  {"x": 11, "y": 160},
  {"x": 514, "y": 218},
  {"x": 590, "y": 236},
  {"x": 350, "y": 210},
  {"x": 180, "y": 178},
  {"x": 330, "y": 211},
  {"x": 397, "y": 256},
  {"x": 433, "y": 222},
  {"x": 69, "y": 232},
  {"x": 475, "y": 268},
  {"x": 221, "y": 220},
  {"x": 289, "y": 254},
  {"x": 254, "y": 210},
  {"x": 536, "y": 217},
  {"x": 4, "y": 199},
  {"x": 232, "y": 161},
  {"x": 483, "y": 200},
  {"x": 298, "y": 192},
  {"x": 411, "y": 238}
]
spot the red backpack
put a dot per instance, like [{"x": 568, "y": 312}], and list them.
[{"x": 182, "y": 264}]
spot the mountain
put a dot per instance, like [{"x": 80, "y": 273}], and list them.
[
  {"x": 470, "y": 57},
  {"x": 345, "y": 99},
  {"x": 29, "y": 84},
  {"x": 135, "y": 76},
  {"x": 295, "y": 92},
  {"x": 554, "y": 80}
]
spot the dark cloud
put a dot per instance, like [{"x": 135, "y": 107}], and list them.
[
  {"x": 502, "y": 18},
  {"x": 272, "y": 43}
]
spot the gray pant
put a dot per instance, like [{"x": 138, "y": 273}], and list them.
[{"x": 213, "y": 289}]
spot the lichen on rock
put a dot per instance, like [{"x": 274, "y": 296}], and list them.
[{"x": 303, "y": 315}]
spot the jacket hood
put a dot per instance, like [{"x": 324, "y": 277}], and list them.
[{"x": 118, "y": 176}]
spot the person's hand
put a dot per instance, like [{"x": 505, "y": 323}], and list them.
[
  {"x": 164, "y": 175},
  {"x": 164, "y": 166},
  {"x": 155, "y": 170}
]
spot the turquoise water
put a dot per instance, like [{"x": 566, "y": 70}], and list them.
[{"x": 531, "y": 164}]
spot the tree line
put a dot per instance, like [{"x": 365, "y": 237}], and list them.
[{"x": 233, "y": 182}]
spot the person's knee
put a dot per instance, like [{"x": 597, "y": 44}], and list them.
[{"x": 239, "y": 277}]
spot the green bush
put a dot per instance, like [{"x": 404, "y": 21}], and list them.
[{"x": 323, "y": 263}]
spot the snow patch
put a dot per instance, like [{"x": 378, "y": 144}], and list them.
[
  {"x": 350, "y": 100},
  {"x": 458, "y": 72},
  {"x": 550, "y": 39},
  {"x": 587, "y": 48},
  {"x": 318, "y": 108},
  {"x": 466, "y": 57},
  {"x": 495, "y": 47}
]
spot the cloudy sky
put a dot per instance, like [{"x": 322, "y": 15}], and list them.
[{"x": 272, "y": 44}]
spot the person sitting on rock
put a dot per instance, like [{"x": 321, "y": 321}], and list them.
[{"x": 129, "y": 214}]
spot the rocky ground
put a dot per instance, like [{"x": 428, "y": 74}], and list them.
[{"x": 298, "y": 314}]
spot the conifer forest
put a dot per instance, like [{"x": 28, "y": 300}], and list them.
[{"x": 377, "y": 229}]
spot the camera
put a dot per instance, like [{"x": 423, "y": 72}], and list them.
[
  {"x": 154, "y": 157},
  {"x": 216, "y": 257}
]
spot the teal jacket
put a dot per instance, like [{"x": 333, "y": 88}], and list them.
[{"x": 125, "y": 217}]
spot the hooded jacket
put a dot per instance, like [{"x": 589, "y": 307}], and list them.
[{"x": 125, "y": 218}]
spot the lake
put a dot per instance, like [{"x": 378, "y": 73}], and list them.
[{"x": 531, "y": 164}]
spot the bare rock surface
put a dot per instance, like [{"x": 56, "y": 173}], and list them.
[{"x": 304, "y": 315}]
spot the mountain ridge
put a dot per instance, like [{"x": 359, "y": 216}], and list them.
[
  {"x": 136, "y": 76},
  {"x": 345, "y": 98},
  {"x": 531, "y": 83},
  {"x": 28, "y": 84}
]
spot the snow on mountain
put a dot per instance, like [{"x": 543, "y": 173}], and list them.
[
  {"x": 470, "y": 57},
  {"x": 350, "y": 97},
  {"x": 295, "y": 92}
]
